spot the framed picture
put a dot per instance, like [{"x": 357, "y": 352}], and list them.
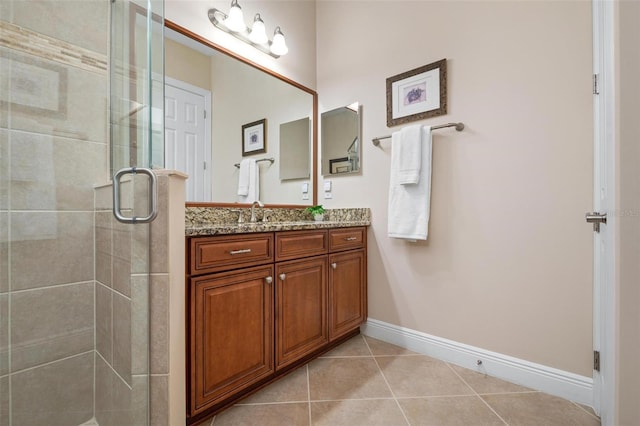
[
  {"x": 254, "y": 137},
  {"x": 417, "y": 94},
  {"x": 339, "y": 165}
]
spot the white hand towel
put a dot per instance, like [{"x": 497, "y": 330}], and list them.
[
  {"x": 409, "y": 205},
  {"x": 408, "y": 155},
  {"x": 253, "y": 192},
  {"x": 243, "y": 177}
]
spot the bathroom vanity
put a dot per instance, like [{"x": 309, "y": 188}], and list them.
[{"x": 264, "y": 299}]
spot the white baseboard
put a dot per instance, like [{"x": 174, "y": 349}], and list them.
[{"x": 535, "y": 376}]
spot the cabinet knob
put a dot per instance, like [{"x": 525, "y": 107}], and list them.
[
  {"x": 334, "y": 265},
  {"x": 282, "y": 277},
  {"x": 268, "y": 280}
]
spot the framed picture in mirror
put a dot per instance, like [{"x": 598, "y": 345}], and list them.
[
  {"x": 340, "y": 165},
  {"x": 254, "y": 137}
]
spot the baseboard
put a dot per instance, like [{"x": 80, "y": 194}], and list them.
[{"x": 535, "y": 376}]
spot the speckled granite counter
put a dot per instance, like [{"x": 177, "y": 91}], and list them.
[{"x": 222, "y": 220}]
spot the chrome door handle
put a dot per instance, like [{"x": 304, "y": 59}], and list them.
[
  {"x": 596, "y": 218},
  {"x": 153, "y": 208}
]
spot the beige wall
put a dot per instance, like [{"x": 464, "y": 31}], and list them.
[
  {"x": 296, "y": 19},
  {"x": 628, "y": 213},
  {"x": 188, "y": 65},
  {"x": 507, "y": 266}
]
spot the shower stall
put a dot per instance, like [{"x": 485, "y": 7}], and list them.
[{"x": 80, "y": 98}]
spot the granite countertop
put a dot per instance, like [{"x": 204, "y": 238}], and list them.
[
  {"x": 218, "y": 221},
  {"x": 246, "y": 228}
]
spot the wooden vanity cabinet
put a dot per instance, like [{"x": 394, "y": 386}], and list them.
[{"x": 261, "y": 304}]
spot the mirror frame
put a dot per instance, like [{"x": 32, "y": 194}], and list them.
[{"x": 314, "y": 131}]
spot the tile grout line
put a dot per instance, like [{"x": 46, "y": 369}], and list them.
[
  {"x": 386, "y": 382},
  {"x": 476, "y": 394}
]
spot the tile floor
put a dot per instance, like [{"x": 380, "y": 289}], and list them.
[{"x": 369, "y": 382}]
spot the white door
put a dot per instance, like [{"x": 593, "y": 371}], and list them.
[
  {"x": 187, "y": 136},
  {"x": 603, "y": 202}
]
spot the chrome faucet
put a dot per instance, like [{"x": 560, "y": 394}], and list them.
[{"x": 253, "y": 212}]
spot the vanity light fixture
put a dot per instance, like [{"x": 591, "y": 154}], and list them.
[{"x": 257, "y": 36}]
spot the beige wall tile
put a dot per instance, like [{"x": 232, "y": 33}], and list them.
[
  {"x": 79, "y": 22},
  {"x": 4, "y": 400},
  {"x": 113, "y": 397},
  {"x": 140, "y": 324},
  {"x": 4, "y": 166},
  {"x": 121, "y": 275},
  {"x": 60, "y": 393},
  {"x": 122, "y": 336},
  {"x": 62, "y": 327},
  {"x": 159, "y": 324},
  {"x": 158, "y": 400},
  {"x": 104, "y": 322},
  {"x": 62, "y": 244},
  {"x": 4, "y": 334},
  {"x": 4, "y": 252}
]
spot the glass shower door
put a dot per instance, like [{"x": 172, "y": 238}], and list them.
[{"x": 75, "y": 107}]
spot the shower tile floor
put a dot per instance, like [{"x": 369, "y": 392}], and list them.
[{"x": 368, "y": 382}]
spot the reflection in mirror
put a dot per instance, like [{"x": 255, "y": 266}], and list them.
[
  {"x": 240, "y": 93},
  {"x": 341, "y": 136},
  {"x": 294, "y": 149}
]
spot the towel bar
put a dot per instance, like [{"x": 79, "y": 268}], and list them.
[
  {"x": 271, "y": 160},
  {"x": 459, "y": 127}
]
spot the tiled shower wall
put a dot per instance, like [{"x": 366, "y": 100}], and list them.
[{"x": 53, "y": 149}]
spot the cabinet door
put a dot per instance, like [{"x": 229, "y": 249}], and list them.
[
  {"x": 231, "y": 333},
  {"x": 301, "y": 308},
  {"x": 347, "y": 292}
]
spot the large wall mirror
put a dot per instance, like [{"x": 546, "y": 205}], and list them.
[
  {"x": 244, "y": 103},
  {"x": 341, "y": 130}
]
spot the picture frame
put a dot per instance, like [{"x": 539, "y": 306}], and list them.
[
  {"x": 339, "y": 165},
  {"x": 417, "y": 94},
  {"x": 254, "y": 137}
]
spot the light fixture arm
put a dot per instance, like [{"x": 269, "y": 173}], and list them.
[{"x": 217, "y": 18}]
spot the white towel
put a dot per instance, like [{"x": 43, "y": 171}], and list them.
[
  {"x": 408, "y": 155},
  {"x": 409, "y": 205},
  {"x": 253, "y": 182},
  {"x": 243, "y": 178}
]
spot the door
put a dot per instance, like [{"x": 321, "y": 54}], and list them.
[
  {"x": 347, "y": 292},
  {"x": 187, "y": 136},
  {"x": 604, "y": 280},
  {"x": 301, "y": 308},
  {"x": 231, "y": 333}
]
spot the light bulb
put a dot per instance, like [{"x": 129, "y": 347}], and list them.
[
  {"x": 279, "y": 47},
  {"x": 258, "y": 33},
  {"x": 235, "y": 20}
]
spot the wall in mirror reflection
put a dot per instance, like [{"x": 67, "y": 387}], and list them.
[
  {"x": 242, "y": 94},
  {"x": 341, "y": 140}
]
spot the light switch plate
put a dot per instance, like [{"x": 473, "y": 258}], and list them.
[
  {"x": 327, "y": 186},
  {"x": 305, "y": 188}
]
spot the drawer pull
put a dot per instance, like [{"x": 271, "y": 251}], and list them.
[
  {"x": 282, "y": 277},
  {"x": 350, "y": 238},
  {"x": 268, "y": 280},
  {"x": 334, "y": 265},
  {"x": 242, "y": 251}
]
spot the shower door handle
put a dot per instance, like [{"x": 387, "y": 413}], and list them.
[{"x": 153, "y": 208}]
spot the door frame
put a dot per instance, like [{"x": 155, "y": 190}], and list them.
[
  {"x": 604, "y": 279},
  {"x": 206, "y": 94}
]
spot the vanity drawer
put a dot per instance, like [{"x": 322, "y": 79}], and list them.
[
  {"x": 297, "y": 244},
  {"x": 212, "y": 254},
  {"x": 346, "y": 238}
]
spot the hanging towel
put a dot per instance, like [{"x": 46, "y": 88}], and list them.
[
  {"x": 409, "y": 205},
  {"x": 408, "y": 155},
  {"x": 243, "y": 178},
  {"x": 252, "y": 177}
]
